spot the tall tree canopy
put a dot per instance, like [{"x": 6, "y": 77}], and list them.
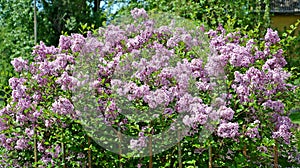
[
  {"x": 16, "y": 37},
  {"x": 53, "y": 18},
  {"x": 240, "y": 13},
  {"x": 56, "y": 17}
]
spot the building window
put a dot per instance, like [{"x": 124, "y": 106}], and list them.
[{"x": 285, "y": 6}]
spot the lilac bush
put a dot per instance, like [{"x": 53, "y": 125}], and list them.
[
  {"x": 258, "y": 86},
  {"x": 250, "y": 117}
]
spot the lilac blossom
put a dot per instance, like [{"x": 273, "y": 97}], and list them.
[
  {"x": 19, "y": 93},
  {"x": 80, "y": 155},
  {"x": 226, "y": 113},
  {"x": 114, "y": 34},
  {"x": 56, "y": 151},
  {"x": 241, "y": 56},
  {"x": 37, "y": 113},
  {"x": 20, "y": 64},
  {"x": 63, "y": 106},
  {"x": 65, "y": 42},
  {"x": 21, "y": 144},
  {"x": 29, "y": 132},
  {"x": 215, "y": 64},
  {"x": 3, "y": 125},
  {"x": 284, "y": 133},
  {"x": 41, "y": 51},
  {"x": 187, "y": 120},
  {"x": 277, "y": 106},
  {"x": 137, "y": 13},
  {"x": 67, "y": 82},
  {"x": 140, "y": 143},
  {"x": 157, "y": 97},
  {"x": 262, "y": 149},
  {"x": 228, "y": 130},
  {"x": 24, "y": 103},
  {"x": 252, "y": 132},
  {"x": 173, "y": 41},
  {"x": 182, "y": 104},
  {"x": 61, "y": 62},
  {"x": 272, "y": 36},
  {"x": 48, "y": 123},
  {"x": 15, "y": 82},
  {"x": 77, "y": 42},
  {"x": 37, "y": 96},
  {"x": 168, "y": 111}
]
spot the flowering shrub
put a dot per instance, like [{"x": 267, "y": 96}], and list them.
[
  {"x": 249, "y": 122},
  {"x": 258, "y": 87}
]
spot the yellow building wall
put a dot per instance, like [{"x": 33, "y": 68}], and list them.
[{"x": 284, "y": 21}]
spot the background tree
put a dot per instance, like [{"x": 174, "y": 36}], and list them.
[
  {"x": 56, "y": 17},
  {"x": 239, "y": 13},
  {"x": 16, "y": 38}
]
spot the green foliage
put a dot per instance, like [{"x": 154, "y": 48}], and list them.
[
  {"x": 16, "y": 38},
  {"x": 211, "y": 12},
  {"x": 291, "y": 44},
  {"x": 66, "y": 16},
  {"x": 295, "y": 98},
  {"x": 53, "y": 19}
]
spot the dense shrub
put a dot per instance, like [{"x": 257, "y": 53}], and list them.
[{"x": 237, "y": 91}]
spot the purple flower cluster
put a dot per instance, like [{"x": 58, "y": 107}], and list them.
[
  {"x": 241, "y": 56},
  {"x": 67, "y": 82},
  {"x": 228, "y": 130},
  {"x": 226, "y": 113},
  {"x": 284, "y": 133},
  {"x": 20, "y": 102},
  {"x": 21, "y": 144},
  {"x": 171, "y": 80},
  {"x": 78, "y": 41},
  {"x": 15, "y": 83},
  {"x": 42, "y": 51},
  {"x": 282, "y": 128},
  {"x": 137, "y": 13},
  {"x": 253, "y": 130},
  {"x": 277, "y": 106},
  {"x": 140, "y": 143},
  {"x": 63, "y": 106},
  {"x": 257, "y": 81},
  {"x": 64, "y": 42},
  {"x": 277, "y": 61},
  {"x": 272, "y": 36},
  {"x": 197, "y": 112},
  {"x": 20, "y": 64}
]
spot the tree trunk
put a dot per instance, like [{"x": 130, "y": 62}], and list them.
[
  {"x": 96, "y": 5},
  {"x": 35, "y": 147},
  {"x": 179, "y": 150},
  {"x": 64, "y": 154},
  {"x": 120, "y": 148},
  {"x": 150, "y": 152},
  {"x": 35, "y": 24},
  {"x": 210, "y": 156},
  {"x": 89, "y": 152},
  {"x": 275, "y": 156}
]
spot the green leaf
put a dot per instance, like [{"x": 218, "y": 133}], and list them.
[
  {"x": 295, "y": 116},
  {"x": 84, "y": 26}
]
